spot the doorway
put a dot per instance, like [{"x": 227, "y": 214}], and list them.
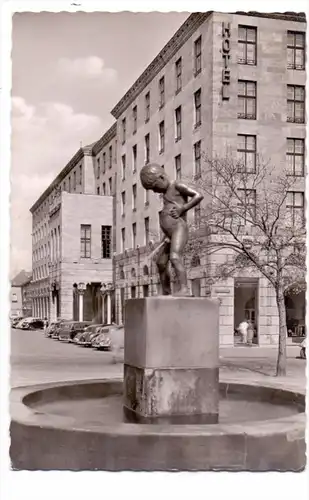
[{"x": 246, "y": 293}]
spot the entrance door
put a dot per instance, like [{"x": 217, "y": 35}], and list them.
[
  {"x": 196, "y": 287},
  {"x": 246, "y": 306}
]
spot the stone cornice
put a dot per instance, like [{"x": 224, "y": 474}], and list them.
[
  {"x": 283, "y": 16},
  {"x": 84, "y": 151},
  {"x": 169, "y": 50},
  {"x": 105, "y": 139}
]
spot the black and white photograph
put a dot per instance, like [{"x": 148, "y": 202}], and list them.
[{"x": 157, "y": 274}]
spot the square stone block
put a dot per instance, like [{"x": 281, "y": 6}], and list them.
[
  {"x": 171, "y": 360},
  {"x": 172, "y": 332}
]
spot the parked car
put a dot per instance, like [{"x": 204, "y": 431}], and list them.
[
  {"x": 77, "y": 337},
  {"x": 303, "y": 346},
  {"x": 51, "y": 328},
  {"x": 33, "y": 324},
  {"x": 85, "y": 339},
  {"x": 58, "y": 328},
  {"x": 20, "y": 323},
  {"x": 69, "y": 330},
  {"x": 103, "y": 340},
  {"x": 15, "y": 321}
]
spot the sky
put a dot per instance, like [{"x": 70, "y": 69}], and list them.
[{"x": 68, "y": 72}]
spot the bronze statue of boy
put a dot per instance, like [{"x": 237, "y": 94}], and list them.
[{"x": 173, "y": 224}]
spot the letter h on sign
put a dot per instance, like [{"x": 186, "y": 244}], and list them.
[{"x": 226, "y": 75}]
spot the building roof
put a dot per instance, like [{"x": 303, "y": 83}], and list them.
[
  {"x": 22, "y": 278},
  {"x": 173, "y": 45},
  {"x": 84, "y": 151},
  {"x": 105, "y": 139},
  {"x": 169, "y": 50}
]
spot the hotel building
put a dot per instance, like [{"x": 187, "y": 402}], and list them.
[{"x": 223, "y": 81}]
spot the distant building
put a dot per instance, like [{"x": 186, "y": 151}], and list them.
[
  {"x": 21, "y": 303},
  {"x": 72, "y": 238}
]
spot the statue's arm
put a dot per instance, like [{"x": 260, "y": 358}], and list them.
[{"x": 188, "y": 192}]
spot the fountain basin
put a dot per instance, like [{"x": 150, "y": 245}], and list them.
[{"x": 79, "y": 426}]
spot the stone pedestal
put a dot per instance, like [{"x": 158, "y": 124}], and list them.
[{"x": 171, "y": 360}]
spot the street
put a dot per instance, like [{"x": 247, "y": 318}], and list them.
[{"x": 36, "y": 359}]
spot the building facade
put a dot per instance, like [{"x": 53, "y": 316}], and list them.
[
  {"x": 73, "y": 240},
  {"x": 224, "y": 81},
  {"x": 21, "y": 303}
]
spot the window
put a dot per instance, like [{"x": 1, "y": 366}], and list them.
[
  {"x": 104, "y": 163},
  {"x": 246, "y": 100},
  {"x": 123, "y": 203},
  {"x": 147, "y": 149},
  {"x": 197, "y": 159},
  {"x": 178, "y": 166},
  {"x": 246, "y": 153},
  {"x": 123, "y": 239},
  {"x": 64, "y": 186},
  {"x": 178, "y": 123},
  {"x": 161, "y": 92},
  {"x": 178, "y": 68},
  {"x": 110, "y": 151},
  {"x": 247, "y": 45},
  {"x": 80, "y": 174},
  {"x": 145, "y": 291},
  {"x": 247, "y": 205},
  {"x": 74, "y": 180},
  {"x": 106, "y": 239},
  {"x": 110, "y": 186},
  {"x": 198, "y": 56},
  {"x": 161, "y": 137},
  {"x": 296, "y": 104},
  {"x": 123, "y": 167},
  {"x": 295, "y": 156},
  {"x": 295, "y": 208},
  {"x": 98, "y": 168},
  {"x": 134, "y": 194},
  {"x": 197, "y": 215},
  {"x": 134, "y": 157},
  {"x": 14, "y": 297},
  {"x": 98, "y": 189},
  {"x": 85, "y": 241},
  {"x": 134, "y": 235},
  {"x": 296, "y": 50},
  {"x": 198, "y": 107},
  {"x": 146, "y": 223},
  {"x": 134, "y": 112},
  {"x": 104, "y": 189},
  {"x": 147, "y": 107},
  {"x": 123, "y": 129},
  {"x": 69, "y": 183}
]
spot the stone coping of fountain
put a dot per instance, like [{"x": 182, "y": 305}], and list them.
[{"x": 277, "y": 444}]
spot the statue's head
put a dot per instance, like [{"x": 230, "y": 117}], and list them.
[{"x": 153, "y": 177}]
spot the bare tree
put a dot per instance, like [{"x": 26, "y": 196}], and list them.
[{"x": 249, "y": 211}]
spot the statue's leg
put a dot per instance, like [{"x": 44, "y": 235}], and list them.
[
  {"x": 178, "y": 243},
  {"x": 162, "y": 265}
]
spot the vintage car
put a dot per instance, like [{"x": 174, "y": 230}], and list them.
[
  {"x": 15, "y": 321},
  {"x": 69, "y": 330},
  {"x": 89, "y": 332},
  {"x": 102, "y": 341},
  {"x": 32, "y": 324},
  {"x": 51, "y": 328}
]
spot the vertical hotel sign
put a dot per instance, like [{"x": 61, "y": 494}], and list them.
[{"x": 226, "y": 72}]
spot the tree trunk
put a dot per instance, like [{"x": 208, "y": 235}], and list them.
[{"x": 281, "y": 360}]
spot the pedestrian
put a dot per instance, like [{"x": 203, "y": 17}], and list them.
[
  {"x": 45, "y": 323},
  {"x": 250, "y": 333},
  {"x": 243, "y": 329}
]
